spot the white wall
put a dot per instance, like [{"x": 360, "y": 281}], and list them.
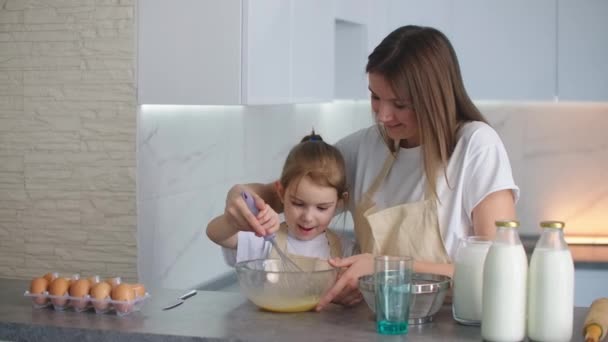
[{"x": 188, "y": 157}]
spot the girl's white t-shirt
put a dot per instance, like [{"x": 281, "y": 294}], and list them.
[
  {"x": 250, "y": 246},
  {"x": 478, "y": 167}
]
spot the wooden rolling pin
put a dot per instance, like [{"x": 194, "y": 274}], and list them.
[{"x": 596, "y": 323}]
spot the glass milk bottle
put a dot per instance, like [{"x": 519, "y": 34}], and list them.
[
  {"x": 504, "y": 286},
  {"x": 551, "y": 286},
  {"x": 468, "y": 279}
]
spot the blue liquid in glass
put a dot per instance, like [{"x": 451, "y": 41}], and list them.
[
  {"x": 391, "y": 328},
  {"x": 392, "y": 305}
]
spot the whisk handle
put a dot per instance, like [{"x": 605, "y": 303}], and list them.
[
  {"x": 250, "y": 203},
  {"x": 254, "y": 210}
]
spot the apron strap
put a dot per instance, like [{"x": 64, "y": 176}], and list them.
[{"x": 335, "y": 246}]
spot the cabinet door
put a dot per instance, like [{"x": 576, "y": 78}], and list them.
[
  {"x": 266, "y": 51},
  {"x": 506, "y": 48},
  {"x": 312, "y": 55},
  {"x": 354, "y": 11},
  {"x": 188, "y": 53},
  {"x": 433, "y": 13},
  {"x": 582, "y": 50}
]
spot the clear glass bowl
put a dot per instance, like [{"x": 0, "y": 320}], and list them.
[
  {"x": 428, "y": 293},
  {"x": 274, "y": 286}
]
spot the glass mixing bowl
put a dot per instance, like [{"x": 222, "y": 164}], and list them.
[
  {"x": 428, "y": 292},
  {"x": 274, "y": 286}
]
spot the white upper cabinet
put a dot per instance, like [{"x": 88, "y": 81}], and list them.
[
  {"x": 583, "y": 50},
  {"x": 432, "y": 13},
  {"x": 231, "y": 52},
  {"x": 189, "y": 52},
  {"x": 506, "y": 49},
  {"x": 313, "y": 54}
]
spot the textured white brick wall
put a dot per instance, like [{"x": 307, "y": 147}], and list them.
[{"x": 67, "y": 137}]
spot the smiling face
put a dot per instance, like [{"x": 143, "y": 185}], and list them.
[
  {"x": 308, "y": 207},
  {"x": 395, "y": 115}
]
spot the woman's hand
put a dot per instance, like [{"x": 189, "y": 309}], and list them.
[{"x": 345, "y": 290}]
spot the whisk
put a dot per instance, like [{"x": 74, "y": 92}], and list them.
[
  {"x": 286, "y": 262},
  {"x": 285, "y": 275}
]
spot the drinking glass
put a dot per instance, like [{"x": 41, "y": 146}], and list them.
[
  {"x": 468, "y": 279},
  {"x": 392, "y": 278}
]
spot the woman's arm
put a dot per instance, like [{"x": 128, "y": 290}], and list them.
[{"x": 499, "y": 205}]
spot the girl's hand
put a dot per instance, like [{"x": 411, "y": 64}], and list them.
[
  {"x": 346, "y": 289},
  {"x": 237, "y": 213},
  {"x": 269, "y": 220}
]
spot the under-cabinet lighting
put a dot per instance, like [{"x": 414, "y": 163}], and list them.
[{"x": 587, "y": 240}]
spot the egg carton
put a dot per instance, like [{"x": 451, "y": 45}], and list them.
[{"x": 81, "y": 304}]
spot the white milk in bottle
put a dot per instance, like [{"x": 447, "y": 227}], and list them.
[
  {"x": 504, "y": 287},
  {"x": 551, "y": 286},
  {"x": 468, "y": 279}
]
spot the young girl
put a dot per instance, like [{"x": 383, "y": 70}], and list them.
[{"x": 312, "y": 186}]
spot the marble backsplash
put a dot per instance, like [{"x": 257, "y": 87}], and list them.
[{"x": 188, "y": 157}]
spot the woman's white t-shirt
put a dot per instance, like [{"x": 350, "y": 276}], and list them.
[
  {"x": 478, "y": 167},
  {"x": 250, "y": 246}
]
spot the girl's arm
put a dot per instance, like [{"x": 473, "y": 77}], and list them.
[
  {"x": 222, "y": 233},
  {"x": 236, "y": 212}
]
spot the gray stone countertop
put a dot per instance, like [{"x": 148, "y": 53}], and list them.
[{"x": 213, "y": 316}]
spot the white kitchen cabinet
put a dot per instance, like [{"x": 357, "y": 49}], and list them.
[
  {"x": 232, "y": 52},
  {"x": 313, "y": 54},
  {"x": 432, "y": 13},
  {"x": 353, "y": 11},
  {"x": 506, "y": 49},
  {"x": 583, "y": 50}
]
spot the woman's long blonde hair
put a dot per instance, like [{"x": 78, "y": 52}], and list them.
[{"x": 421, "y": 66}]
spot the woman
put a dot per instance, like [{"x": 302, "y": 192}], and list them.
[{"x": 428, "y": 173}]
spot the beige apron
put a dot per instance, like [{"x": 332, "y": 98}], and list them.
[
  {"x": 335, "y": 246},
  {"x": 410, "y": 229}
]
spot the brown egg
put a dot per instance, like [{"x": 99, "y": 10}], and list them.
[
  {"x": 73, "y": 278},
  {"x": 113, "y": 281},
  {"x": 100, "y": 292},
  {"x": 51, "y": 276},
  {"x": 39, "y": 286},
  {"x": 59, "y": 287},
  {"x": 139, "y": 290},
  {"x": 94, "y": 279},
  {"x": 123, "y": 293},
  {"x": 80, "y": 288}
]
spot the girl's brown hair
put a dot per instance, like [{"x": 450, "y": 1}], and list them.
[
  {"x": 421, "y": 66},
  {"x": 314, "y": 158}
]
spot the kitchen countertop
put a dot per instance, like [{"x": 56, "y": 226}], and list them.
[{"x": 213, "y": 316}]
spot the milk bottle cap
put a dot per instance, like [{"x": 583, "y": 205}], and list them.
[
  {"x": 508, "y": 223},
  {"x": 553, "y": 224}
]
